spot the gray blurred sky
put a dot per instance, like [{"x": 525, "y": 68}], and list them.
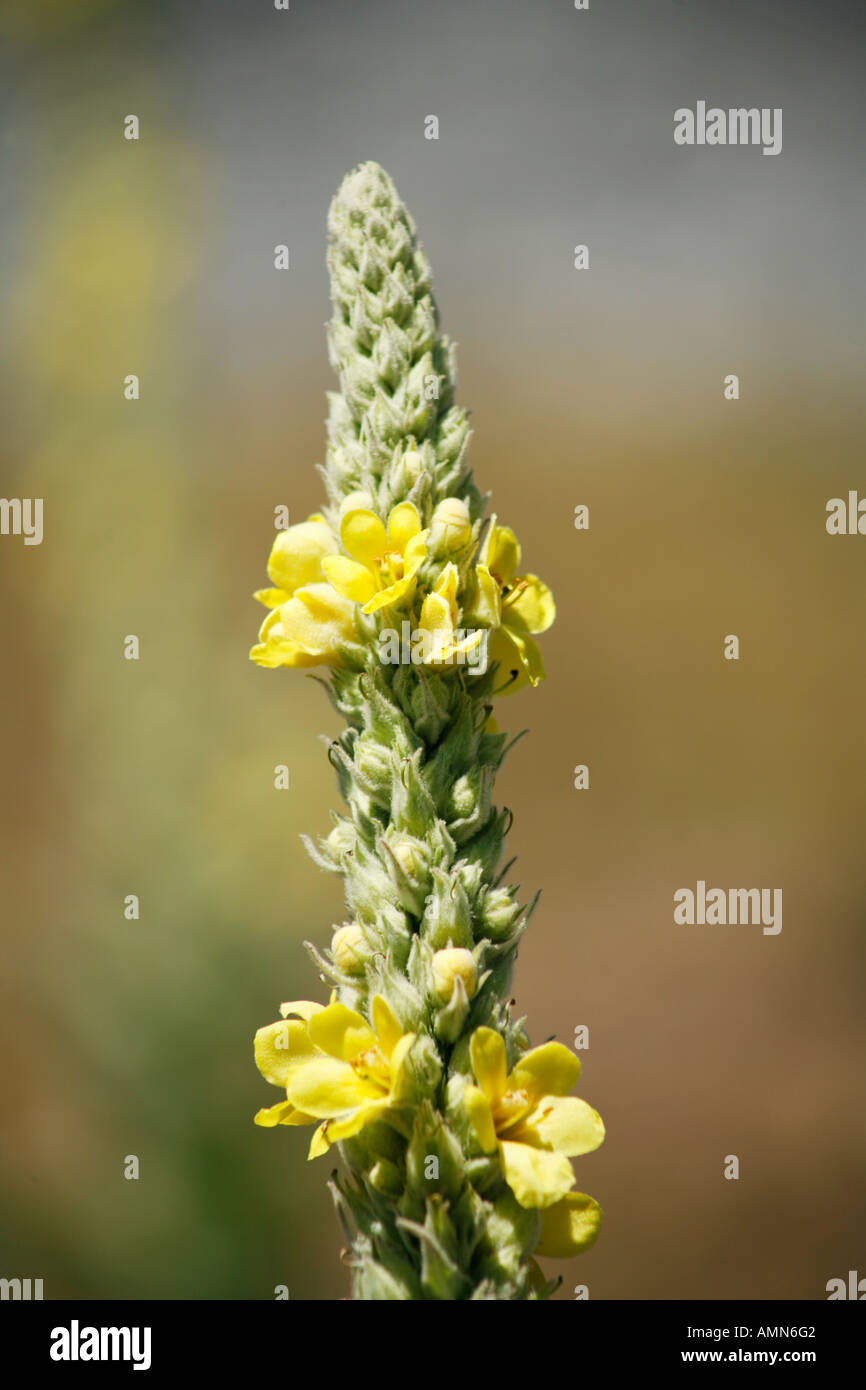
[{"x": 556, "y": 127}]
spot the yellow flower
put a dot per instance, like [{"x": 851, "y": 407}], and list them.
[
  {"x": 307, "y": 630},
  {"x": 437, "y": 624},
  {"x": 308, "y": 620},
  {"x": 529, "y": 1117},
  {"x": 279, "y": 1047},
  {"x": 296, "y": 559},
  {"x": 380, "y": 565},
  {"x": 335, "y": 1068},
  {"x": 517, "y": 606}
]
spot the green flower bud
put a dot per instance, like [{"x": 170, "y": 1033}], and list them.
[
  {"x": 349, "y": 949},
  {"x": 449, "y": 1021},
  {"x": 412, "y": 466},
  {"x": 386, "y": 1178},
  {"x": 497, "y": 913},
  {"x": 434, "y": 1161},
  {"x": 374, "y": 764},
  {"x": 342, "y": 839},
  {"x": 411, "y": 854},
  {"x": 447, "y": 919},
  {"x": 421, "y": 1073}
]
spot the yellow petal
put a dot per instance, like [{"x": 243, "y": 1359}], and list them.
[
  {"x": 304, "y": 1008},
  {"x": 530, "y": 655},
  {"x": 530, "y": 606},
  {"x": 436, "y": 615},
  {"x": 340, "y": 1032},
  {"x": 353, "y": 1124},
  {"x": 501, "y": 552},
  {"x": 516, "y": 653},
  {"x": 474, "y": 640},
  {"x": 271, "y": 626},
  {"x": 316, "y": 619},
  {"x": 442, "y": 651},
  {"x": 478, "y": 1109},
  {"x": 416, "y": 552},
  {"x": 325, "y": 1088},
  {"x": 283, "y": 1113},
  {"x": 565, "y": 1124},
  {"x": 469, "y": 644},
  {"x": 487, "y": 1050},
  {"x": 279, "y": 1046},
  {"x": 569, "y": 1226},
  {"x": 446, "y": 588},
  {"x": 537, "y": 1177},
  {"x": 271, "y": 598},
  {"x": 483, "y": 605},
  {"x": 363, "y": 536},
  {"x": 403, "y": 524},
  {"x": 274, "y": 1114},
  {"x": 401, "y": 1081},
  {"x": 448, "y": 581},
  {"x": 403, "y": 588},
  {"x": 385, "y": 1025},
  {"x": 549, "y": 1070},
  {"x": 297, "y": 554},
  {"x": 487, "y": 543},
  {"x": 275, "y": 653},
  {"x": 319, "y": 1144},
  {"x": 351, "y": 580}
]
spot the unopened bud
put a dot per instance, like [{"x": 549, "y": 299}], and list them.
[
  {"x": 498, "y": 912},
  {"x": 451, "y": 525},
  {"x": 454, "y": 963},
  {"x": 356, "y": 500},
  {"x": 409, "y": 854},
  {"x": 341, "y": 839},
  {"x": 386, "y": 1178},
  {"x": 409, "y": 468},
  {"x": 349, "y": 948}
]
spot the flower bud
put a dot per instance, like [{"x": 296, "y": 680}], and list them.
[
  {"x": 374, "y": 764},
  {"x": 464, "y": 794},
  {"x": 454, "y": 963},
  {"x": 410, "y": 466},
  {"x": 356, "y": 501},
  {"x": 386, "y": 1178},
  {"x": 341, "y": 839},
  {"x": 349, "y": 948},
  {"x": 498, "y": 912},
  {"x": 451, "y": 526},
  {"x": 409, "y": 854}
]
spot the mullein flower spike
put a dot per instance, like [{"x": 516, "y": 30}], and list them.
[{"x": 456, "y": 1135}]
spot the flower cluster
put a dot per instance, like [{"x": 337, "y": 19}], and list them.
[
  {"x": 344, "y": 1073},
  {"x": 436, "y": 576},
  {"x": 456, "y": 1135}
]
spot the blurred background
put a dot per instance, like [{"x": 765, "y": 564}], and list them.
[{"x": 602, "y": 387}]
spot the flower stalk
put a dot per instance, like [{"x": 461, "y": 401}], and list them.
[{"x": 456, "y": 1136}]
